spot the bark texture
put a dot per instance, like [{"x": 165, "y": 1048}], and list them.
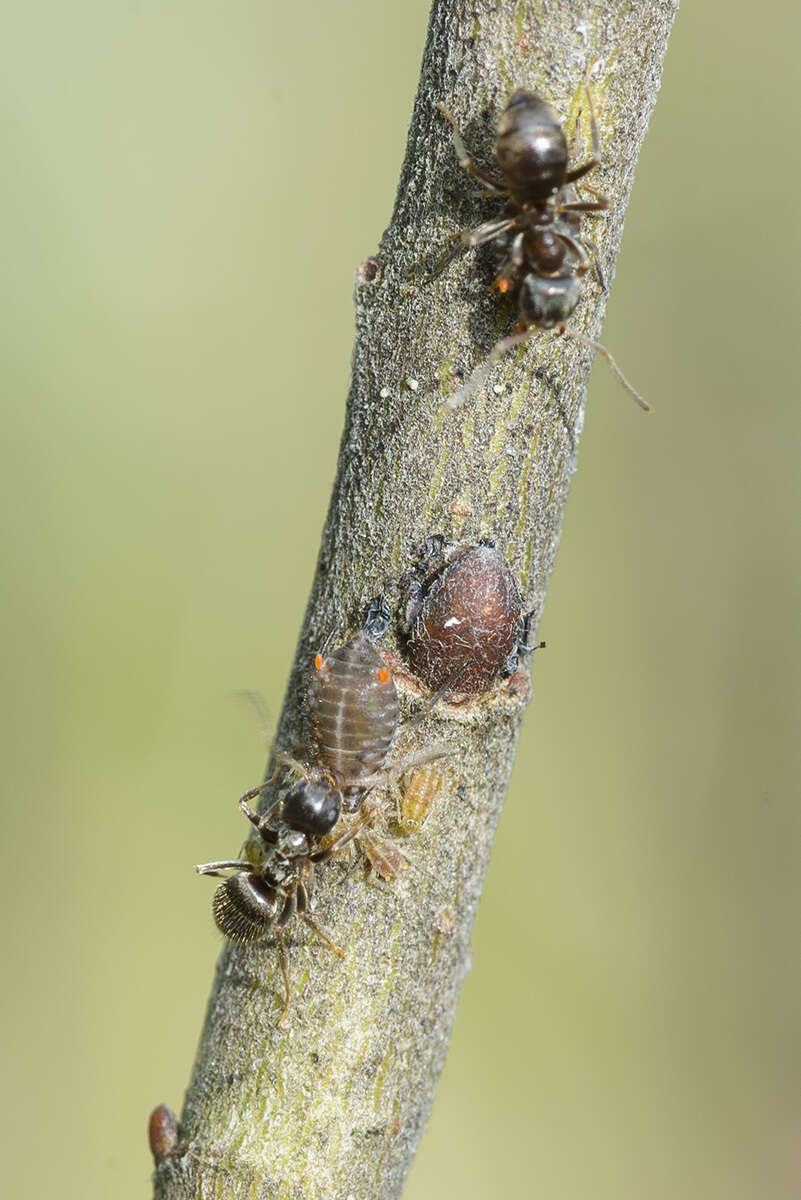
[{"x": 333, "y": 1104}]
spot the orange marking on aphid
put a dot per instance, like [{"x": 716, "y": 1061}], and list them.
[
  {"x": 504, "y": 285},
  {"x": 318, "y": 662},
  {"x": 383, "y": 674}
]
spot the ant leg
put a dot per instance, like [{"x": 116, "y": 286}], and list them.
[
  {"x": 466, "y": 160},
  {"x": 595, "y": 161},
  {"x": 484, "y": 370},
  {"x": 602, "y": 350},
  {"x": 600, "y": 205},
  {"x": 576, "y": 248},
  {"x": 322, "y": 935},
  {"x": 228, "y": 864},
  {"x": 506, "y": 278},
  {"x": 282, "y": 962},
  {"x": 335, "y": 847},
  {"x": 484, "y": 233}
]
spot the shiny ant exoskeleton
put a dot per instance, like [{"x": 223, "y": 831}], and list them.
[{"x": 547, "y": 253}]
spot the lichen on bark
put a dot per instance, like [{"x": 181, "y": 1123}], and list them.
[{"x": 332, "y": 1104}]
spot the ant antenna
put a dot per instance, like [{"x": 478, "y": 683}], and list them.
[
  {"x": 597, "y": 348},
  {"x": 483, "y": 371}
]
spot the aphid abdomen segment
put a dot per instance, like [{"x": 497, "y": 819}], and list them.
[
  {"x": 530, "y": 147},
  {"x": 245, "y": 907},
  {"x": 469, "y": 623},
  {"x": 353, "y": 706}
]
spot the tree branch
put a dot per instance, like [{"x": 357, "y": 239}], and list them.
[{"x": 334, "y": 1103}]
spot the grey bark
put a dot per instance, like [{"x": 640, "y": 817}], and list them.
[{"x": 333, "y": 1104}]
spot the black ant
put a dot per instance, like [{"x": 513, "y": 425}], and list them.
[
  {"x": 353, "y": 707},
  {"x": 548, "y": 256}
]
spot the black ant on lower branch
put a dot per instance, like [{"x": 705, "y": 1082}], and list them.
[
  {"x": 547, "y": 253},
  {"x": 353, "y": 710}
]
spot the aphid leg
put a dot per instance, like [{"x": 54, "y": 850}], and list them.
[
  {"x": 466, "y": 160},
  {"x": 602, "y": 350},
  {"x": 485, "y": 369},
  {"x": 229, "y": 864}
]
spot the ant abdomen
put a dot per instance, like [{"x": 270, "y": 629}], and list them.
[
  {"x": 530, "y": 147},
  {"x": 245, "y": 907},
  {"x": 353, "y": 707}
]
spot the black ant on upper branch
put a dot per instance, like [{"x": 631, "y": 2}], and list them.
[{"x": 547, "y": 252}]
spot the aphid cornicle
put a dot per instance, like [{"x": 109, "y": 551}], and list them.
[
  {"x": 547, "y": 255},
  {"x": 467, "y": 622}
]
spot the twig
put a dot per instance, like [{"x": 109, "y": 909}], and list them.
[{"x": 333, "y": 1104}]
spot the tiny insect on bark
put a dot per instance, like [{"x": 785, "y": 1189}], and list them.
[
  {"x": 421, "y": 790},
  {"x": 548, "y": 255}
]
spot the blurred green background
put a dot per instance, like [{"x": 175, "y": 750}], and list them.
[{"x": 188, "y": 189}]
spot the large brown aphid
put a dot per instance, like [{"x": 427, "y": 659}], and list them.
[
  {"x": 547, "y": 254},
  {"x": 466, "y": 623}
]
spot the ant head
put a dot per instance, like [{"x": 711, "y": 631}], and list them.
[
  {"x": 312, "y": 807},
  {"x": 548, "y": 300}
]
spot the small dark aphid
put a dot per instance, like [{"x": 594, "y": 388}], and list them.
[
  {"x": 162, "y": 1132},
  {"x": 467, "y": 624},
  {"x": 547, "y": 254}
]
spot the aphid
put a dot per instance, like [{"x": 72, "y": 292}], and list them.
[
  {"x": 547, "y": 253},
  {"x": 422, "y": 788},
  {"x": 385, "y": 859},
  {"x": 467, "y": 623},
  {"x": 353, "y": 709},
  {"x": 162, "y": 1132}
]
